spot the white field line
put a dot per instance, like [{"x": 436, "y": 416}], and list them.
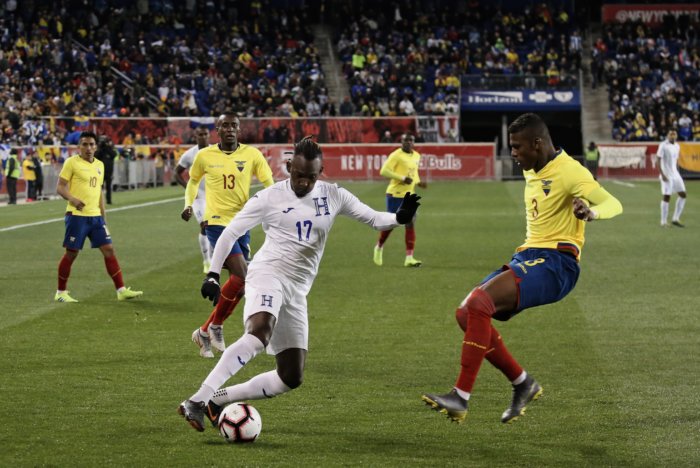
[
  {"x": 112, "y": 210},
  {"x": 625, "y": 184}
]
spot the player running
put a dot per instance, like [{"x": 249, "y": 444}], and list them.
[
  {"x": 227, "y": 169},
  {"x": 401, "y": 168},
  {"x": 296, "y": 215}
]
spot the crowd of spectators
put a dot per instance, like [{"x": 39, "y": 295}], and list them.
[
  {"x": 171, "y": 59},
  {"x": 403, "y": 58},
  {"x": 653, "y": 78}
]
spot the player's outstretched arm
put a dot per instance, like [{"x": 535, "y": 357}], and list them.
[{"x": 603, "y": 206}]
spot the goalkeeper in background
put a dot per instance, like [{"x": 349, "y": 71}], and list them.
[
  {"x": 401, "y": 168},
  {"x": 558, "y": 191}
]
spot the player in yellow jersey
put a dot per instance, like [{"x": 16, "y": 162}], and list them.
[
  {"x": 227, "y": 169},
  {"x": 401, "y": 168},
  {"x": 80, "y": 182},
  {"x": 558, "y": 192}
]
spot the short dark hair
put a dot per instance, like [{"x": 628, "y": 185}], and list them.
[
  {"x": 88, "y": 134},
  {"x": 308, "y": 148},
  {"x": 529, "y": 121}
]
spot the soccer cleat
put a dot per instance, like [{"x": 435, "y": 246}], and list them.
[
  {"x": 126, "y": 294},
  {"x": 523, "y": 394},
  {"x": 677, "y": 224},
  {"x": 216, "y": 337},
  {"x": 665, "y": 225},
  {"x": 213, "y": 412},
  {"x": 205, "y": 266},
  {"x": 412, "y": 262},
  {"x": 63, "y": 297},
  {"x": 204, "y": 343},
  {"x": 450, "y": 404},
  {"x": 193, "y": 412},
  {"x": 378, "y": 255}
]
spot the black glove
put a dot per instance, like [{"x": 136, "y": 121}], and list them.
[
  {"x": 210, "y": 287},
  {"x": 408, "y": 208}
]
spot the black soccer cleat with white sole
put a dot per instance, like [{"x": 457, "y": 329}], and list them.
[
  {"x": 450, "y": 404},
  {"x": 193, "y": 412},
  {"x": 523, "y": 394}
]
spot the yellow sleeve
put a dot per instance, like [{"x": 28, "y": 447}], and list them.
[
  {"x": 67, "y": 170},
  {"x": 416, "y": 180},
  {"x": 263, "y": 171},
  {"x": 604, "y": 204},
  {"x": 388, "y": 167},
  {"x": 196, "y": 174}
]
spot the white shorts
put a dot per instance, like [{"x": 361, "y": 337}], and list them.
[
  {"x": 673, "y": 184},
  {"x": 267, "y": 294},
  {"x": 198, "y": 206}
]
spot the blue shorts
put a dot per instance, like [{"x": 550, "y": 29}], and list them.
[
  {"x": 80, "y": 227},
  {"x": 240, "y": 247},
  {"x": 542, "y": 276},
  {"x": 393, "y": 203}
]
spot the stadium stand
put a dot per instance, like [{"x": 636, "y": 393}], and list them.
[
  {"x": 402, "y": 61},
  {"x": 653, "y": 78},
  {"x": 149, "y": 58}
]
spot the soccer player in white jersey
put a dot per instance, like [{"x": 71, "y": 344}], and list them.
[
  {"x": 296, "y": 215},
  {"x": 201, "y": 135},
  {"x": 671, "y": 180}
]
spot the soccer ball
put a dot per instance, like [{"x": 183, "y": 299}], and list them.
[{"x": 239, "y": 423}]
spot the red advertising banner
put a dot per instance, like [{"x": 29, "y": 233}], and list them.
[
  {"x": 648, "y": 14},
  {"x": 363, "y": 162}
]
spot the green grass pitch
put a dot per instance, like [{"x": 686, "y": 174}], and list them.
[{"x": 98, "y": 383}]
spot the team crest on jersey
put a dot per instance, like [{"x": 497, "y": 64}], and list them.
[
  {"x": 240, "y": 165},
  {"x": 546, "y": 187}
]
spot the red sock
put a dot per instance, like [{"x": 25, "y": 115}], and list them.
[
  {"x": 477, "y": 338},
  {"x": 114, "y": 271},
  {"x": 64, "y": 271},
  {"x": 383, "y": 236},
  {"x": 499, "y": 356},
  {"x": 410, "y": 240},
  {"x": 231, "y": 293}
]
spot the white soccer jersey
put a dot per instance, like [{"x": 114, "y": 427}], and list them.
[
  {"x": 668, "y": 157},
  {"x": 186, "y": 161},
  {"x": 296, "y": 229}
]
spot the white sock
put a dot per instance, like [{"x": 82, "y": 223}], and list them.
[
  {"x": 204, "y": 247},
  {"x": 232, "y": 360},
  {"x": 121, "y": 289},
  {"x": 664, "y": 212},
  {"x": 463, "y": 394},
  {"x": 261, "y": 386},
  {"x": 520, "y": 379},
  {"x": 680, "y": 204}
]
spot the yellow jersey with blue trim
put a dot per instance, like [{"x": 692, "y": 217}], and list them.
[
  {"x": 398, "y": 165},
  {"x": 549, "y": 196},
  {"x": 227, "y": 178},
  {"x": 84, "y": 183}
]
